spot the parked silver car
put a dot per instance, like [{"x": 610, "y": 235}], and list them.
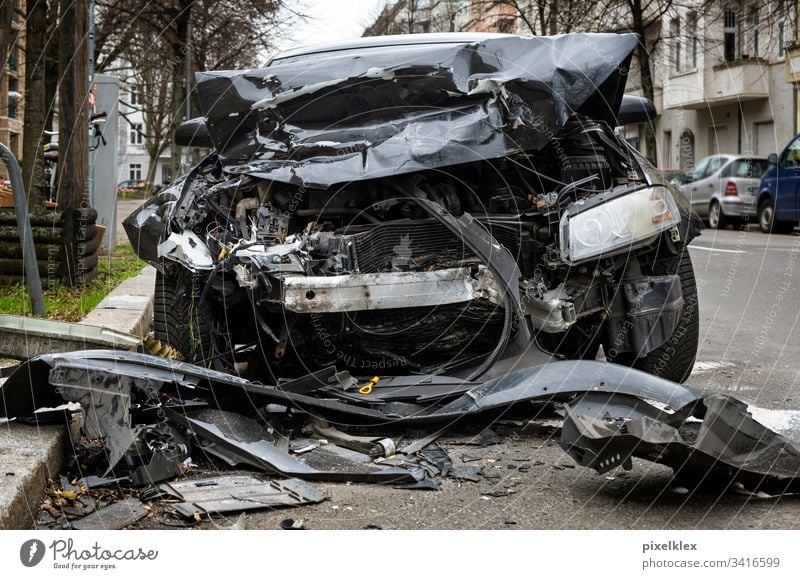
[{"x": 723, "y": 189}]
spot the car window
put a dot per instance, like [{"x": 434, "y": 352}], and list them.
[
  {"x": 749, "y": 168},
  {"x": 791, "y": 156},
  {"x": 714, "y": 163},
  {"x": 699, "y": 169}
]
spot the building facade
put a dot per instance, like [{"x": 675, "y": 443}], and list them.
[
  {"x": 132, "y": 131},
  {"x": 12, "y": 84},
  {"x": 721, "y": 85},
  {"x": 420, "y": 16}
]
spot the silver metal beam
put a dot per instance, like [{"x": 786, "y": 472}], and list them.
[{"x": 378, "y": 291}]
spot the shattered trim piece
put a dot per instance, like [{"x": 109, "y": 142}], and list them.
[{"x": 224, "y": 494}]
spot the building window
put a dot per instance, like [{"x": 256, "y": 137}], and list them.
[
  {"x": 133, "y": 96},
  {"x": 14, "y": 57},
  {"x": 166, "y": 174},
  {"x": 505, "y": 25},
  {"x": 694, "y": 41},
  {"x": 675, "y": 28},
  {"x": 14, "y": 97},
  {"x": 731, "y": 31},
  {"x": 754, "y": 31},
  {"x": 135, "y": 171},
  {"x": 780, "y": 13},
  {"x": 137, "y": 136}
]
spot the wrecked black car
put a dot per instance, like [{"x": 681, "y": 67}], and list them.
[
  {"x": 425, "y": 204},
  {"x": 396, "y": 240}
]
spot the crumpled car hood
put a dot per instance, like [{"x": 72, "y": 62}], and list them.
[{"x": 356, "y": 115}]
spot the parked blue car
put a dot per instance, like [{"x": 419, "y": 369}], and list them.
[{"x": 779, "y": 192}]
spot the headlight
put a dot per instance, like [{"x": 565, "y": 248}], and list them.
[{"x": 616, "y": 225}]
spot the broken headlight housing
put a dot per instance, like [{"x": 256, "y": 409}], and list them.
[{"x": 613, "y": 225}]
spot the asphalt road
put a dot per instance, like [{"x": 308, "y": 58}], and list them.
[
  {"x": 749, "y": 304},
  {"x": 749, "y": 290}
]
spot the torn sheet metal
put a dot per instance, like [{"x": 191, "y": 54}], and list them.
[
  {"x": 556, "y": 381},
  {"x": 248, "y": 447},
  {"x": 225, "y": 494},
  {"x": 714, "y": 439},
  {"x": 351, "y": 114},
  {"x": 613, "y": 414},
  {"x": 188, "y": 249}
]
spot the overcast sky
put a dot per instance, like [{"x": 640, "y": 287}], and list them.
[{"x": 330, "y": 20}]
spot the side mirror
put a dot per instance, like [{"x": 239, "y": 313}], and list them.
[
  {"x": 772, "y": 159},
  {"x": 635, "y": 110},
  {"x": 193, "y": 133}
]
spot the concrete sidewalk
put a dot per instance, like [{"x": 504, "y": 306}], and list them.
[{"x": 29, "y": 455}]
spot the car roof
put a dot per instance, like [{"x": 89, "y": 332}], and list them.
[
  {"x": 729, "y": 157},
  {"x": 390, "y": 40}
]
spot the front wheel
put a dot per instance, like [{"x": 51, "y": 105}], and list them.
[
  {"x": 767, "y": 222},
  {"x": 179, "y": 319}
]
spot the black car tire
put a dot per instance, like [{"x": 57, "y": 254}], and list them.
[
  {"x": 767, "y": 222},
  {"x": 674, "y": 359},
  {"x": 716, "y": 218},
  {"x": 177, "y": 318}
]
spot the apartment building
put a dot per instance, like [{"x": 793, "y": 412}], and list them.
[
  {"x": 12, "y": 84},
  {"x": 134, "y": 158},
  {"x": 420, "y": 16},
  {"x": 721, "y": 83}
]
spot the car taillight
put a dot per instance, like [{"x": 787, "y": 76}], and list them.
[{"x": 730, "y": 189}]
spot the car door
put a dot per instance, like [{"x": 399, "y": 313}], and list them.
[
  {"x": 787, "y": 186},
  {"x": 708, "y": 182},
  {"x": 713, "y": 179},
  {"x": 691, "y": 188}
]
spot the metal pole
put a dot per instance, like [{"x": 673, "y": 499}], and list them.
[
  {"x": 32, "y": 278},
  {"x": 92, "y": 155}
]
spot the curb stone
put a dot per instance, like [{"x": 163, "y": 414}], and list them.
[{"x": 30, "y": 454}]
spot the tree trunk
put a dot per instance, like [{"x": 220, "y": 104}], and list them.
[
  {"x": 5, "y": 31},
  {"x": 553, "y": 18},
  {"x": 6, "y": 39},
  {"x": 35, "y": 104},
  {"x": 51, "y": 66},
  {"x": 648, "y": 91},
  {"x": 542, "y": 17},
  {"x": 154, "y": 152},
  {"x": 73, "y": 126},
  {"x": 180, "y": 49}
]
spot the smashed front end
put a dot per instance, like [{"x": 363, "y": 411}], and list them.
[{"x": 425, "y": 209}]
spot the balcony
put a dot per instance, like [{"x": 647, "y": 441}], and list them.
[
  {"x": 729, "y": 82},
  {"x": 684, "y": 90},
  {"x": 793, "y": 63}
]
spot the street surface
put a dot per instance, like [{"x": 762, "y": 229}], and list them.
[{"x": 124, "y": 208}]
